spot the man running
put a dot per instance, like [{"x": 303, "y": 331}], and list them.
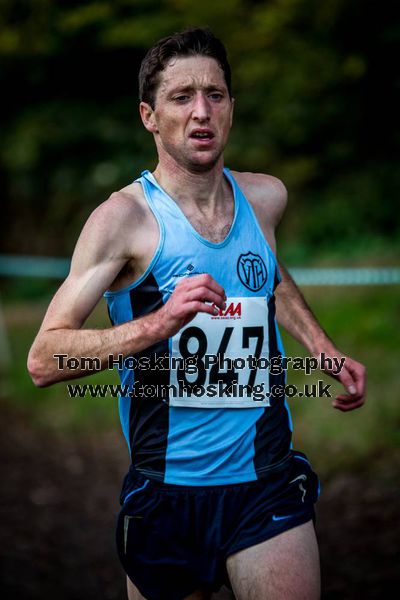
[{"x": 185, "y": 257}]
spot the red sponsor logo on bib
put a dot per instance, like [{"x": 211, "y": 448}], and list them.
[{"x": 232, "y": 311}]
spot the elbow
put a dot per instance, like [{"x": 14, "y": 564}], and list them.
[{"x": 37, "y": 370}]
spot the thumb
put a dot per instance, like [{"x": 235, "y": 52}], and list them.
[{"x": 346, "y": 378}]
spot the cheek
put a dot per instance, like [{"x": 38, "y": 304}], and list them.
[
  {"x": 223, "y": 116},
  {"x": 169, "y": 125},
  {"x": 225, "y": 123}
]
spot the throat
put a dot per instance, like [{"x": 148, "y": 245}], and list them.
[{"x": 210, "y": 212}]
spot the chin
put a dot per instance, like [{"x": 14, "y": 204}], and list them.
[{"x": 201, "y": 164}]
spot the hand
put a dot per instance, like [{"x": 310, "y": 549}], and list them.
[
  {"x": 193, "y": 295},
  {"x": 353, "y": 376}
]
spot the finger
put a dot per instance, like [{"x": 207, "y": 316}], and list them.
[
  {"x": 345, "y": 406},
  {"x": 204, "y": 294},
  {"x": 347, "y": 379},
  {"x": 348, "y": 401},
  {"x": 196, "y": 306},
  {"x": 205, "y": 280},
  {"x": 359, "y": 375}
]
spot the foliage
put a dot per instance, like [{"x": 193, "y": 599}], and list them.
[{"x": 316, "y": 105}]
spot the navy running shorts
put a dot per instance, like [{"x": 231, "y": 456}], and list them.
[{"x": 174, "y": 539}]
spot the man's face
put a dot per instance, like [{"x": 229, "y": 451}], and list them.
[{"x": 192, "y": 114}]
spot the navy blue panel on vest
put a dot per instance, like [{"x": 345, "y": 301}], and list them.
[
  {"x": 148, "y": 418},
  {"x": 273, "y": 427}
]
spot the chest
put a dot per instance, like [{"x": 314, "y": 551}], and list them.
[{"x": 213, "y": 229}]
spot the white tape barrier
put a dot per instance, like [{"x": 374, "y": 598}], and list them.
[
  {"x": 38, "y": 266},
  {"x": 332, "y": 276}
]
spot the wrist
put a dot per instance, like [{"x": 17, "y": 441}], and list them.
[
  {"x": 323, "y": 344},
  {"x": 153, "y": 328}
]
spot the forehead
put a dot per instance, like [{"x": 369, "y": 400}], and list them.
[{"x": 193, "y": 71}]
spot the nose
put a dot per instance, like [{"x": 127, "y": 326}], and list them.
[{"x": 201, "y": 108}]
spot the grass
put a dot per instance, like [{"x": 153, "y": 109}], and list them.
[
  {"x": 52, "y": 405},
  {"x": 364, "y": 322}
]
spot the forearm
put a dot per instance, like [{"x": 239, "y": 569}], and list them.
[
  {"x": 294, "y": 314},
  {"x": 46, "y": 367}
]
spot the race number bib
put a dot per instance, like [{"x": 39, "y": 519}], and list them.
[{"x": 218, "y": 358}]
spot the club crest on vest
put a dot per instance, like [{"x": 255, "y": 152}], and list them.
[{"x": 252, "y": 271}]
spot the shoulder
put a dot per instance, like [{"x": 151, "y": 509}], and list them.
[
  {"x": 125, "y": 204},
  {"x": 123, "y": 210},
  {"x": 114, "y": 224},
  {"x": 266, "y": 193}
]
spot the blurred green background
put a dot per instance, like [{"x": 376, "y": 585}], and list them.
[{"x": 317, "y": 96}]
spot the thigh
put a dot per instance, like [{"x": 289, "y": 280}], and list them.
[
  {"x": 285, "y": 566},
  {"x": 134, "y": 594}
]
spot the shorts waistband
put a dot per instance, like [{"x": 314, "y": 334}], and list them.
[
  {"x": 142, "y": 476},
  {"x": 172, "y": 487}
]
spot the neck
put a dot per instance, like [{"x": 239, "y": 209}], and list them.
[{"x": 202, "y": 188}]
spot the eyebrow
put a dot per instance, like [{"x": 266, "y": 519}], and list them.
[{"x": 190, "y": 88}]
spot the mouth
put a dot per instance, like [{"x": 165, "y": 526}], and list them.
[{"x": 203, "y": 137}]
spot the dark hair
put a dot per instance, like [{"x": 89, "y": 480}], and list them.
[{"x": 190, "y": 42}]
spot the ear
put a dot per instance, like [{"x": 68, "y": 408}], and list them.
[{"x": 148, "y": 117}]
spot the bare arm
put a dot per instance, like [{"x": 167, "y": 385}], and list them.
[
  {"x": 98, "y": 257},
  {"x": 294, "y": 314}
]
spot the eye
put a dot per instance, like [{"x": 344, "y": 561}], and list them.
[
  {"x": 216, "y": 96},
  {"x": 182, "y": 98}
]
